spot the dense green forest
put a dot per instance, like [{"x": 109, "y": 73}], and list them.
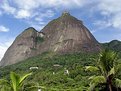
[{"x": 56, "y": 72}]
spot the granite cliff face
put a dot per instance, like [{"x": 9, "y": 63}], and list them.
[
  {"x": 68, "y": 34},
  {"x": 65, "y": 34},
  {"x": 21, "y": 47}
]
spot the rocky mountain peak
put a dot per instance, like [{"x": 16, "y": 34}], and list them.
[
  {"x": 65, "y": 34},
  {"x": 66, "y": 16},
  {"x": 28, "y": 32},
  {"x": 65, "y": 13},
  {"x": 68, "y": 34}
]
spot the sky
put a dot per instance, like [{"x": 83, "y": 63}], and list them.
[{"x": 101, "y": 17}]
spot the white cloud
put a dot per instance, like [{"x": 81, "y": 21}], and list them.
[
  {"x": 28, "y": 4},
  {"x": 4, "y": 46},
  {"x": 32, "y": 4},
  {"x": 7, "y": 8},
  {"x": 3, "y": 28},
  {"x": 116, "y": 21},
  {"x": 23, "y": 14},
  {"x": 102, "y": 24},
  {"x": 29, "y": 9},
  {"x": 38, "y": 11},
  {"x": 110, "y": 6},
  {"x": 41, "y": 19},
  {"x": 111, "y": 9},
  {"x": 25, "y": 9},
  {"x": 45, "y": 14}
]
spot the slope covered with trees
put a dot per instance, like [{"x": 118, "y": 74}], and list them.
[
  {"x": 50, "y": 71},
  {"x": 54, "y": 72}
]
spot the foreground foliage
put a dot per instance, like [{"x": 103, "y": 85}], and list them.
[
  {"x": 51, "y": 76},
  {"x": 107, "y": 69},
  {"x": 15, "y": 83},
  {"x": 43, "y": 76}
]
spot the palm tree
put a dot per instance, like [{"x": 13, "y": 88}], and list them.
[
  {"x": 17, "y": 81},
  {"x": 107, "y": 69},
  {"x": 15, "y": 84}
]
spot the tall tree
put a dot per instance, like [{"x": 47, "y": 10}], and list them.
[{"x": 107, "y": 69}]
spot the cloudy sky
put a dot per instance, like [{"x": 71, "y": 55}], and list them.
[{"x": 102, "y": 17}]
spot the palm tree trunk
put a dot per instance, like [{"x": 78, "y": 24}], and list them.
[
  {"x": 109, "y": 82},
  {"x": 110, "y": 87}
]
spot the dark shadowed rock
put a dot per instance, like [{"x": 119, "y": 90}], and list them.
[{"x": 65, "y": 34}]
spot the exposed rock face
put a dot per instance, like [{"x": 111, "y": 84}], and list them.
[
  {"x": 21, "y": 48},
  {"x": 65, "y": 34},
  {"x": 68, "y": 34}
]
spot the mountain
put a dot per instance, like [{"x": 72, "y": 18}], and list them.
[
  {"x": 114, "y": 45},
  {"x": 21, "y": 47},
  {"x": 63, "y": 35}
]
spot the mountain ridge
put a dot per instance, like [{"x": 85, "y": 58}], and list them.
[{"x": 65, "y": 34}]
